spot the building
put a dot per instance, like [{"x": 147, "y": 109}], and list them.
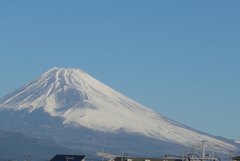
[
  {"x": 68, "y": 157},
  {"x": 146, "y": 159},
  {"x": 237, "y": 158}
]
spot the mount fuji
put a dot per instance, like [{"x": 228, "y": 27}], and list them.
[{"x": 73, "y": 109}]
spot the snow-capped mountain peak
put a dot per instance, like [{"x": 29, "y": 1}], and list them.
[{"x": 82, "y": 100}]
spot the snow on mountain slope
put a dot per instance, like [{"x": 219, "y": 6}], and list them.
[{"x": 82, "y": 100}]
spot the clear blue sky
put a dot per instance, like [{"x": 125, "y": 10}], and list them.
[{"x": 179, "y": 58}]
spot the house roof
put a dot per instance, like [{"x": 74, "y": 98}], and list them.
[
  {"x": 68, "y": 157},
  {"x": 236, "y": 157}
]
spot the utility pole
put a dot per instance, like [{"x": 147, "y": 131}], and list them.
[
  {"x": 28, "y": 157},
  {"x": 122, "y": 157},
  {"x": 213, "y": 151},
  {"x": 230, "y": 156},
  {"x": 193, "y": 151},
  {"x": 185, "y": 154},
  {"x": 203, "y": 150},
  {"x": 102, "y": 155}
]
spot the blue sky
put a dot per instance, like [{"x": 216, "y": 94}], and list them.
[{"x": 179, "y": 58}]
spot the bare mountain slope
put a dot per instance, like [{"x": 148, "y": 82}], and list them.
[
  {"x": 70, "y": 98},
  {"x": 16, "y": 146}
]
